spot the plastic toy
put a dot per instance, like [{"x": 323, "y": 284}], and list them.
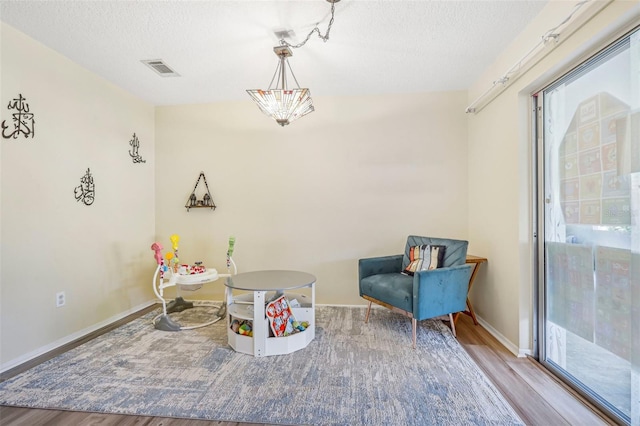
[
  {"x": 244, "y": 327},
  {"x": 245, "y": 330}
]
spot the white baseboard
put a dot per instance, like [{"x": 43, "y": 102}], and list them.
[
  {"x": 514, "y": 349},
  {"x": 70, "y": 338},
  {"x": 523, "y": 353}
]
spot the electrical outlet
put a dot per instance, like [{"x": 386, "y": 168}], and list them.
[{"x": 60, "y": 299}]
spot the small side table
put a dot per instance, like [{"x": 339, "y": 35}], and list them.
[{"x": 476, "y": 260}]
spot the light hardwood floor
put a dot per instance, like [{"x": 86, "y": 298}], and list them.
[
  {"x": 535, "y": 394},
  {"x": 538, "y": 397}
]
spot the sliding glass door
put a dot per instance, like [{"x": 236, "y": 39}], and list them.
[{"x": 589, "y": 198}]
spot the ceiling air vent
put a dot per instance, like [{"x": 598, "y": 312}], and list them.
[{"x": 160, "y": 68}]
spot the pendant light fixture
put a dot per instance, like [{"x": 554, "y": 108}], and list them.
[{"x": 283, "y": 103}]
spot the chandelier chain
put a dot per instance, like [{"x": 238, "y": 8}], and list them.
[{"x": 324, "y": 38}]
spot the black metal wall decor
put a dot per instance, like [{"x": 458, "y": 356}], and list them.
[
  {"x": 85, "y": 192},
  {"x": 135, "y": 145},
  {"x": 207, "y": 200},
  {"x": 23, "y": 120}
]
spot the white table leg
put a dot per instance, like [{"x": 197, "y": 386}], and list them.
[
  {"x": 312, "y": 323},
  {"x": 260, "y": 332}
]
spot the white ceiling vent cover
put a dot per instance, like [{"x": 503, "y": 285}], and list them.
[{"x": 160, "y": 68}]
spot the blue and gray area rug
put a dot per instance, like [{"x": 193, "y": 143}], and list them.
[{"x": 351, "y": 374}]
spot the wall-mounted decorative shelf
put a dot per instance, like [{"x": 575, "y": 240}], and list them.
[{"x": 207, "y": 199}]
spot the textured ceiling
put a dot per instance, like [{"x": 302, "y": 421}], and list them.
[{"x": 222, "y": 48}]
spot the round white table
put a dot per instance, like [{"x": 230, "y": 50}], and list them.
[{"x": 263, "y": 287}]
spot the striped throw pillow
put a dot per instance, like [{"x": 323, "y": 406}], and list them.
[{"x": 424, "y": 258}]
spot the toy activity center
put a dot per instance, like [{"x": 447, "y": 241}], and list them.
[{"x": 263, "y": 316}]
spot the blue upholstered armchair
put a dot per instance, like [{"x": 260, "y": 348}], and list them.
[{"x": 428, "y": 293}]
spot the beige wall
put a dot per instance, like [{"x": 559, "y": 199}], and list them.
[
  {"x": 350, "y": 180},
  {"x": 500, "y": 168},
  {"x": 98, "y": 255}
]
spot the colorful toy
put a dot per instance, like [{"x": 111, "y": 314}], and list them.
[
  {"x": 185, "y": 277},
  {"x": 300, "y": 326},
  {"x": 174, "y": 244},
  {"x": 245, "y": 330},
  {"x": 235, "y": 326},
  {"x": 175, "y": 238},
  {"x": 244, "y": 327},
  {"x": 281, "y": 317},
  {"x": 157, "y": 248},
  {"x": 232, "y": 242}
]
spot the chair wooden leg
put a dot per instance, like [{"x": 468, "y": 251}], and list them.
[
  {"x": 366, "y": 318},
  {"x": 453, "y": 325},
  {"x": 414, "y": 325}
]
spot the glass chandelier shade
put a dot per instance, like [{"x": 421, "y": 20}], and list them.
[{"x": 281, "y": 103}]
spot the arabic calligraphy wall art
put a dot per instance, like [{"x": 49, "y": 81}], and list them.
[
  {"x": 23, "y": 121},
  {"x": 85, "y": 192},
  {"x": 133, "y": 152}
]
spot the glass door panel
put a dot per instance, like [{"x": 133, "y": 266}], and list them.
[{"x": 591, "y": 250}]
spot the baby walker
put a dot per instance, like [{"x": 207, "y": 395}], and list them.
[{"x": 185, "y": 277}]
